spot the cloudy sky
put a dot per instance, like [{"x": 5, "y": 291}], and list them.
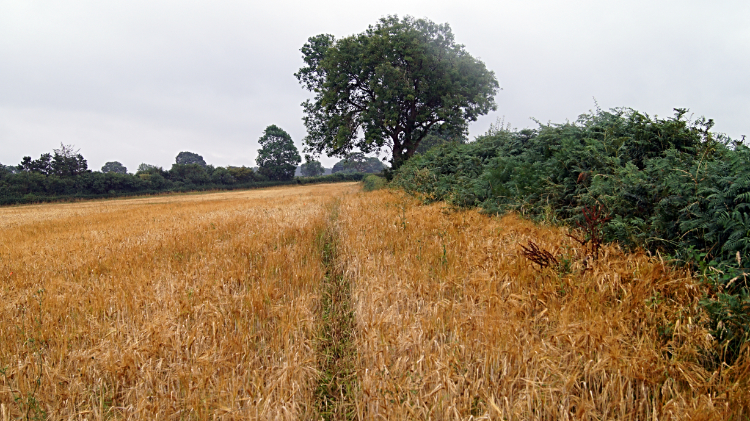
[{"x": 139, "y": 81}]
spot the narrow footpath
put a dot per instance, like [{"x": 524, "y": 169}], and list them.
[{"x": 335, "y": 344}]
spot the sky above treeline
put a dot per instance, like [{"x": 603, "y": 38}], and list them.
[{"x": 140, "y": 81}]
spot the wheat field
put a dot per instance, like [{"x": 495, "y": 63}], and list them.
[{"x": 323, "y": 302}]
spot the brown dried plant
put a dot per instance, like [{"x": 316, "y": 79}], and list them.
[
  {"x": 538, "y": 255},
  {"x": 592, "y": 228}
]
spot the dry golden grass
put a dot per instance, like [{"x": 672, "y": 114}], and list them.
[
  {"x": 453, "y": 323},
  {"x": 213, "y": 306},
  {"x": 184, "y": 307}
]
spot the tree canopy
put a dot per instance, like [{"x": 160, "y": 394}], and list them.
[
  {"x": 388, "y": 86},
  {"x": 278, "y": 157},
  {"x": 144, "y": 167},
  {"x": 357, "y": 162},
  {"x": 8, "y": 168},
  {"x": 186, "y": 158},
  {"x": 65, "y": 162},
  {"x": 114, "y": 166},
  {"x": 311, "y": 167}
]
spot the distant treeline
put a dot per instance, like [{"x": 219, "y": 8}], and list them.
[
  {"x": 64, "y": 173},
  {"x": 75, "y": 181},
  {"x": 668, "y": 185}
]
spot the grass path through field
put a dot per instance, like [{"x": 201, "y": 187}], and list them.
[{"x": 337, "y": 381}]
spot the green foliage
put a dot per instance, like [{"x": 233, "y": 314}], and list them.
[
  {"x": 730, "y": 317},
  {"x": 373, "y": 182},
  {"x": 669, "y": 185},
  {"x": 189, "y": 158},
  {"x": 278, "y": 157},
  {"x": 7, "y": 169},
  {"x": 43, "y": 165},
  {"x": 115, "y": 167},
  {"x": 29, "y": 186},
  {"x": 64, "y": 163},
  {"x": 438, "y": 136},
  {"x": 389, "y": 86},
  {"x": 452, "y": 172},
  {"x": 189, "y": 174},
  {"x": 244, "y": 174},
  {"x": 222, "y": 176},
  {"x": 311, "y": 167},
  {"x": 144, "y": 168},
  {"x": 357, "y": 162},
  {"x": 331, "y": 178}
]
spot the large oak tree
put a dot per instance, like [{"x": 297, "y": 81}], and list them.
[{"x": 388, "y": 86}]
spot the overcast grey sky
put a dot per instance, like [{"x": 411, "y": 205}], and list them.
[{"x": 139, "y": 81}]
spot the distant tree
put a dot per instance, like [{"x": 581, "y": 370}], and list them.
[
  {"x": 185, "y": 158},
  {"x": 8, "y": 168},
  {"x": 66, "y": 162},
  {"x": 242, "y": 174},
  {"x": 358, "y": 162},
  {"x": 189, "y": 174},
  {"x": 388, "y": 86},
  {"x": 115, "y": 167},
  {"x": 143, "y": 167},
  {"x": 278, "y": 157},
  {"x": 311, "y": 167},
  {"x": 43, "y": 165},
  {"x": 222, "y": 175},
  {"x": 340, "y": 167}
]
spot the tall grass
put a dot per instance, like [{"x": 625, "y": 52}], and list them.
[{"x": 453, "y": 322}]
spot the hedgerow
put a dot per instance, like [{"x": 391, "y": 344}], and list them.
[{"x": 25, "y": 187}]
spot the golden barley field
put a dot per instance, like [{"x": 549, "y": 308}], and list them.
[
  {"x": 452, "y": 322},
  {"x": 177, "y": 307},
  {"x": 325, "y": 302}
]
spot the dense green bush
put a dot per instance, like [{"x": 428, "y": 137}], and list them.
[
  {"x": 669, "y": 185},
  {"x": 373, "y": 182}
]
